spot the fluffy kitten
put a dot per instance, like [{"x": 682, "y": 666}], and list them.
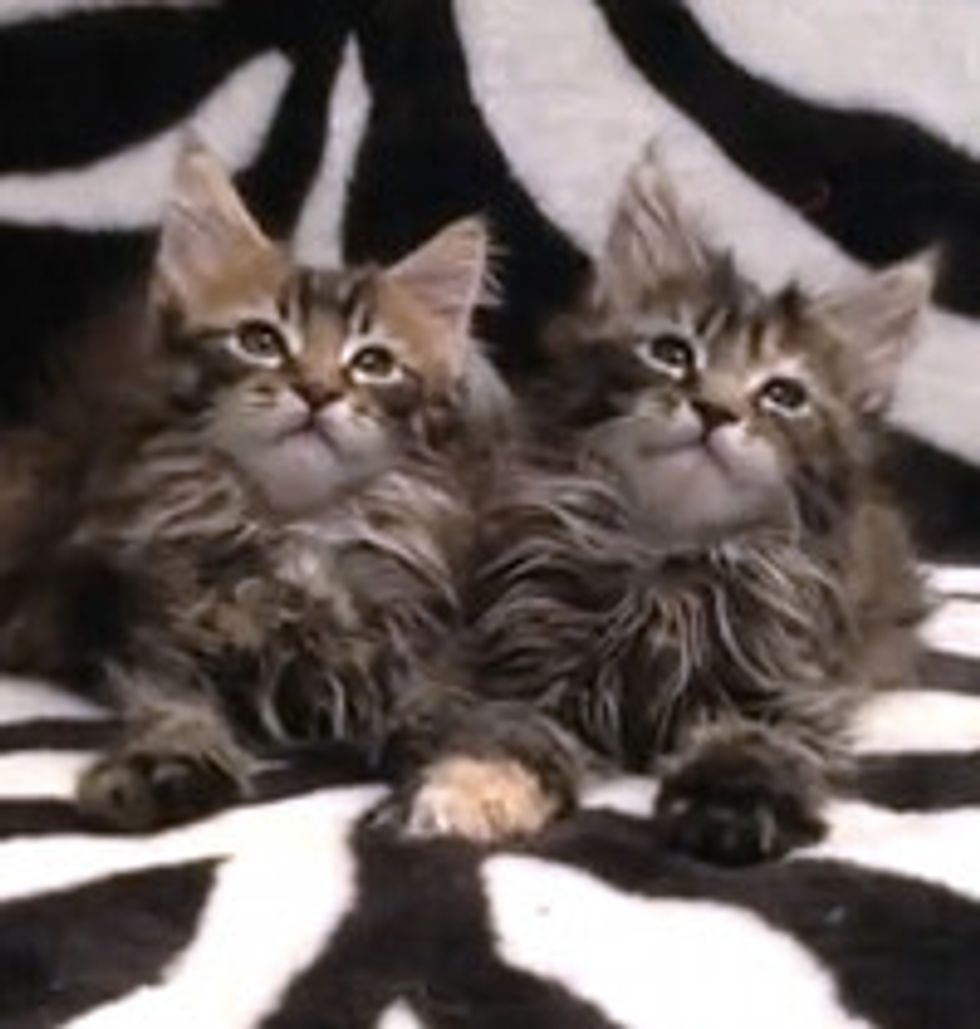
[
  {"x": 698, "y": 574},
  {"x": 256, "y": 535}
]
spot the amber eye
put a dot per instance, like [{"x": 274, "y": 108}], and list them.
[
  {"x": 259, "y": 342},
  {"x": 669, "y": 352},
  {"x": 374, "y": 362},
  {"x": 784, "y": 394}
]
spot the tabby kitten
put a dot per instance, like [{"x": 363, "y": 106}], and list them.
[
  {"x": 260, "y": 536},
  {"x": 698, "y": 574}
]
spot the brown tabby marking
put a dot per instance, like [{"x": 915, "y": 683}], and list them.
[
  {"x": 698, "y": 572},
  {"x": 261, "y": 536}
]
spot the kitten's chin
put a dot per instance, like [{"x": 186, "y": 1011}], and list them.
[
  {"x": 301, "y": 474},
  {"x": 695, "y": 494}
]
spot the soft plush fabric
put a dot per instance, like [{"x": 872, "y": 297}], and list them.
[
  {"x": 291, "y": 912},
  {"x": 812, "y": 137}
]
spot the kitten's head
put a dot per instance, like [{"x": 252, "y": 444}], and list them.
[
  {"x": 717, "y": 406},
  {"x": 307, "y": 379}
]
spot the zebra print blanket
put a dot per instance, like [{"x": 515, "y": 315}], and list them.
[
  {"x": 289, "y": 912},
  {"x": 812, "y": 135}
]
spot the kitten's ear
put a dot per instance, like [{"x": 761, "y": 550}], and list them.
[
  {"x": 447, "y": 275},
  {"x": 651, "y": 241},
  {"x": 878, "y": 320},
  {"x": 206, "y": 226}
]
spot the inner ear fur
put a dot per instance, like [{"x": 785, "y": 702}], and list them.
[{"x": 207, "y": 231}]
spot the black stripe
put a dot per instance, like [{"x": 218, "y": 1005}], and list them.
[
  {"x": 331, "y": 765},
  {"x": 879, "y": 185},
  {"x": 277, "y": 184},
  {"x": 428, "y": 157},
  {"x": 39, "y": 818},
  {"x": 943, "y": 671},
  {"x": 56, "y": 734},
  {"x": 53, "y": 279},
  {"x": 920, "y": 782},
  {"x": 941, "y": 494},
  {"x": 419, "y": 933},
  {"x": 77, "y": 87},
  {"x": 64, "y": 953},
  {"x": 902, "y": 951}
]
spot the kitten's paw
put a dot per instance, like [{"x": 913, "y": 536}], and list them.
[
  {"x": 484, "y": 800},
  {"x": 734, "y": 808},
  {"x": 162, "y": 780}
]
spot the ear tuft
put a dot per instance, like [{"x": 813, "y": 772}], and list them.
[
  {"x": 878, "y": 320},
  {"x": 448, "y": 274},
  {"x": 652, "y": 240},
  {"x": 206, "y": 225}
]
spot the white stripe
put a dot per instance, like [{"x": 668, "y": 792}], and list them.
[
  {"x": 648, "y": 963},
  {"x": 32, "y": 866},
  {"x": 572, "y": 114},
  {"x": 962, "y": 579},
  {"x": 906, "y": 721},
  {"x": 939, "y": 393},
  {"x": 318, "y": 236},
  {"x": 14, "y": 11},
  {"x": 955, "y": 628},
  {"x": 272, "y": 909},
  {"x": 24, "y": 699},
  {"x": 913, "y": 58},
  {"x": 41, "y": 774},
  {"x": 399, "y": 1016},
  {"x": 938, "y": 847},
  {"x": 125, "y": 191},
  {"x": 628, "y": 794}
]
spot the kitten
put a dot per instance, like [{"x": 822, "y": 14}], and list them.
[
  {"x": 698, "y": 574},
  {"x": 255, "y": 537}
]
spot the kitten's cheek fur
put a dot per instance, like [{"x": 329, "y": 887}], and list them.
[
  {"x": 483, "y": 800},
  {"x": 739, "y": 796}
]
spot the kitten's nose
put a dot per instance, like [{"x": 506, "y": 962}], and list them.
[
  {"x": 316, "y": 394},
  {"x": 712, "y": 414}
]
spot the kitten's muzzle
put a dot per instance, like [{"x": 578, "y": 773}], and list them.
[
  {"x": 713, "y": 415},
  {"x": 315, "y": 394}
]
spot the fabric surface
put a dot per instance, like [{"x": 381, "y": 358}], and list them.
[
  {"x": 812, "y": 137},
  {"x": 290, "y": 912}
]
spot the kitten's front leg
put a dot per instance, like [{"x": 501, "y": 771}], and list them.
[
  {"x": 741, "y": 792},
  {"x": 503, "y": 772},
  {"x": 177, "y": 760}
]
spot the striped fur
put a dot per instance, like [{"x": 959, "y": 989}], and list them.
[
  {"x": 717, "y": 578},
  {"x": 263, "y": 544}
]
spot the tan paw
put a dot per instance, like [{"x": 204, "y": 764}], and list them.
[{"x": 479, "y": 799}]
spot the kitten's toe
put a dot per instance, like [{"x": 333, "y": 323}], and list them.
[
  {"x": 480, "y": 799},
  {"x": 736, "y": 810},
  {"x": 724, "y": 833},
  {"x": 136, "y": 790}
]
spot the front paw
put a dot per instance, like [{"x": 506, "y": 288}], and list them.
[
  {"x": 162, "y": 779},
  {"x": 484, "y": 800},
  {"x": 734, "y": 807}
]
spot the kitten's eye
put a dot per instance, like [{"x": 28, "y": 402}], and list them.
[
  {"x": 373, "y": 363},
  {"x": 258, "y": 342},
  {"x": 669, "y": 352},
  {"x": 783, "y": 394}
]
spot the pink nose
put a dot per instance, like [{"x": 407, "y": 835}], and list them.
[
  {"x": 713, "y": 415},
  {"x": 316, "y": 394}
]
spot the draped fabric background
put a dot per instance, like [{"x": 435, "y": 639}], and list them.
[{"x": 812, "y": 137}]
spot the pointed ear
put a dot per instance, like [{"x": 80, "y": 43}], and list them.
[
  {"x": 447, "y": 275},
  {"x": 878, "y": 321},
  {"x": 652, "y": 241},
  {"x": 206, "y": 226}
]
